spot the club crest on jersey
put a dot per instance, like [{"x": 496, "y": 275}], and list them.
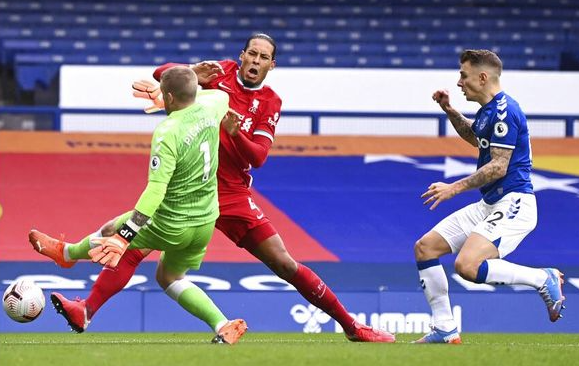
[
  {"x": 483, "y": 122},
  {"x": 501, "y": 129},
  {"x": 155, "y": 162},
  {"x": 254, "y": 106},
  {"x": 273, "y": 121}
]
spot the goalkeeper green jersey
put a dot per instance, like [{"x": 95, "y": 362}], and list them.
[{"x": 184, "y": 156}]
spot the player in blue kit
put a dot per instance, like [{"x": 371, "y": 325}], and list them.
[{"x": 484, "y": 232}]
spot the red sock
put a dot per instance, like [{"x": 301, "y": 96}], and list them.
[
  {"x": 112, "y": 280},
  {"x": 317, "y": 293}
]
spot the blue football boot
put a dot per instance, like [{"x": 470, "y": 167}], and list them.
[
  {"x": 440, "y": 336},
  {"x": 552, "y": 293}
]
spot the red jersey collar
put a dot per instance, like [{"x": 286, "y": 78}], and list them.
[{"x": 259, "y": 87}]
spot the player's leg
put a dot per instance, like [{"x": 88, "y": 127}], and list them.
[
  {"x": 481, "y": 259},
  {"x": 66, "y": 254},
  {"x": 434, "y": 283},
  {"x": 171, "y": 271},
  {"x": 244, "y": 223},
  {"x": 447, "y": 236},
  {"x": 79, "y": 312},
  {"x": 272, "y": 252}
]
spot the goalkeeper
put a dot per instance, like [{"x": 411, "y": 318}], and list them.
[{"x": 177, "y": 211}]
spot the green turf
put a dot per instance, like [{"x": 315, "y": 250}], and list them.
[{"x": 172, "y": 349}]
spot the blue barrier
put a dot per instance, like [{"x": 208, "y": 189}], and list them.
[
  {"x": 57, "y": 112},
  {"x": 383, "y": 295},
  {"x": 400, "y": 312}
]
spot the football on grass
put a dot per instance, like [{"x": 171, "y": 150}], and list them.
[{"x": 23, "y": 301}]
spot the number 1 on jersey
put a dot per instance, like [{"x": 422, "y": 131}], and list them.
[{"x": 204, "y": 148}]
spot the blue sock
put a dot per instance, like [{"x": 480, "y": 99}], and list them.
[{"x": 483, "y": 270}]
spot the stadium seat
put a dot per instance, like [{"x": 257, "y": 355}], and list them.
[{"x": 365, "y": 33}]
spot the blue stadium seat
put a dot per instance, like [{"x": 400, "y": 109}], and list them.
[{"x": 529, "y": 34}]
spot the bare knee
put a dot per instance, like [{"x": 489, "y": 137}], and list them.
[
  {"x": 161, "y": 280},
  {"x": 272, "y": 253},
  {"x": 425, "y": 250},
  {"x": 430, "y": 246},
  {"x": 467, "y": 269},
  {"x": 283, "y": 266},
  {"x": 164, "y": 279},
  {"x": 421, "y": 250}
]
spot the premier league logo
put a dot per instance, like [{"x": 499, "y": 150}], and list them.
[{"x": 501, "y": 129}]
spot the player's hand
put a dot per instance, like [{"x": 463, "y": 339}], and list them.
[
  {"x": 438, "y": 192},
  {"x": 207, "y": 70},
  {"x": 147, "y": 90},
  {"x": 232, "y": 122},
  {"x": 109, "y": 250},
  {"x": 441, "y": 97}
]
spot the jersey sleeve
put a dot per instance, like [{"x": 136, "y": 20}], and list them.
[
  {"x": 505, "y": 129},
  {"x": 159, "y": 70},
  {"x": 228, "y": 67},
  {"x": 268, "y": 119},
  {"x": 163, "y": 157}
]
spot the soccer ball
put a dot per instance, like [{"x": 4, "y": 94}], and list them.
[{"x": 23, "y": 301}]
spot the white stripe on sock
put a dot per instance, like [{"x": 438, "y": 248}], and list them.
[{"x": 175, "y": 289}]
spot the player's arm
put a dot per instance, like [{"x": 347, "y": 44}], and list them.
[
  {"x": 206, "y": 71},
  {"x": 488, "y": 173},
  {"x": 461, "y": 124},
  {"x": 254, "y": 149}
]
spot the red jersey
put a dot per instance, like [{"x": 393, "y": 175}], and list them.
[{"x": 260, "y": 108}]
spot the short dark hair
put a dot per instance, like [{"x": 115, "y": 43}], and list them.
[
  {"x": 482, "y": 58},
  {"x": 262, "y": 36}
]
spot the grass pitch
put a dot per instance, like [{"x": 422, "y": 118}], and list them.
[{"x": 274, "y": 349}]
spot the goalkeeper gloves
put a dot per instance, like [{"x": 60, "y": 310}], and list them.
[
  {"x": 109, "y": 250},
  {"x": 147, "y": 90}
]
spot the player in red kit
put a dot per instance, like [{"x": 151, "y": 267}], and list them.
[{"x": 245, "y": 144}]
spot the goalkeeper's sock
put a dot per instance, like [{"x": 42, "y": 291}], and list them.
[
  {"x": 435, "y": 285},
  {"x": 502, "y": 272},
  {"x": 112, "y": 280},
  {"x": 80, "y": 250},
  {"x": 313, "y": 289},
  {"x": 195, "y": 301}
]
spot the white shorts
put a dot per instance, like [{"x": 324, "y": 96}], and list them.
[{"x": 505, "y": 223}]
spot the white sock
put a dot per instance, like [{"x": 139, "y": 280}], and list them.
[
  {"x": 175, "y": 289},
  {"x": 219, "y": 325},
  {"x": 65, "y": 253},
  {"x": 503, "y": 272},
  {"x": 96, "y": 234},
  {"x": 435, "y": 285}
]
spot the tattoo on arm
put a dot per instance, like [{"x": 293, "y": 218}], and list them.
[
  {"x": 493, "y": 170},
  {"x": 462, "y": 125},
  {"x": 139, "y": 219}
]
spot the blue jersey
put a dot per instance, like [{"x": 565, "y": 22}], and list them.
[{"x": 502, "y": 124}]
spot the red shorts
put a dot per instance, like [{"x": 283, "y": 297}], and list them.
[{"x": 242, "y": 221}]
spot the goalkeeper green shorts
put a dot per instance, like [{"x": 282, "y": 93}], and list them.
[{"x": 182, "y": 249}]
